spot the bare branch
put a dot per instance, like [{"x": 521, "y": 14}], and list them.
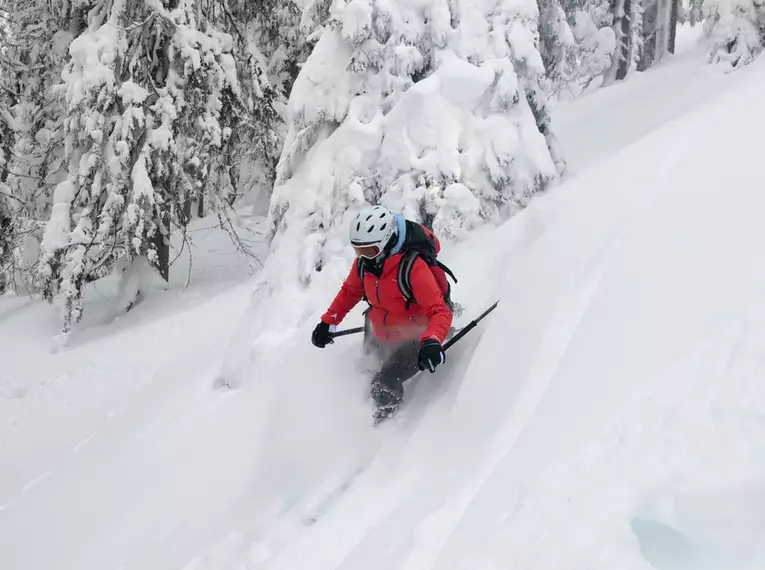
[
  {"x": 134, "y": 26},
  {"x": 228, "y": 227}
]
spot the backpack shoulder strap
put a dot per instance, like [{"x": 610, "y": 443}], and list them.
[
  {"x": 360, "y": 265},
  {"x": 446, "y": 270},
  {"x": 404, "y": 274}
]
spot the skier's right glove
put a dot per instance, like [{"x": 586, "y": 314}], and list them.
[
  {"x": 322, "y": 334},
  {"x": 431, "y": 355}
]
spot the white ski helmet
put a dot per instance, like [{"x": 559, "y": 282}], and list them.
[{"x": 371, "y": 231}]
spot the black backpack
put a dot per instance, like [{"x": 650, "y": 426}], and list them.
[{"x": 419, "y": 243}]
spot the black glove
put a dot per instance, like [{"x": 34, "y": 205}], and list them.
[
  {"x": 322, "y": 335},
  {"x": 431, "y": 355}
]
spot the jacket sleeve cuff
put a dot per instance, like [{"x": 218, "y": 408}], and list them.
[
  {"x": 330, "y": 319},
  {"x": 430, "y": 336}
]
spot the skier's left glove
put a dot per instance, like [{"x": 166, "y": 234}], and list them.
[
  {"x": 431, "y": 355},
  {"x": 322, "y": 334}
]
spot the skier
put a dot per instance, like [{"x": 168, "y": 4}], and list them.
[{"x": 410, "y": 312}]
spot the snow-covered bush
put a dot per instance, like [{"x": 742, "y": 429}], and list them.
[
  {"x": 150, "y": 95},
  {"x": 413, "y": 105},
  {"x": 736, "y": 30}
]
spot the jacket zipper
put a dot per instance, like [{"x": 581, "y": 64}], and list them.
[{"x": 377, "y": 292}]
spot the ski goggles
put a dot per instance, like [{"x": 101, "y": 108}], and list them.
[{"x": 368, "y": 251}]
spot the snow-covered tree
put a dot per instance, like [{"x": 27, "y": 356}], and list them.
[
  {"x": 315, "y": 16},
  {"x": 438, "y": 110},
  {"x": 269, "y": 47},
  {"x": 594, "y": 45},
  {"x": 622, "y": 12},
  {"x": 648, "y": 46},
  {"x": 659, "y": 28},
  {"x": 38, "y": 37},
  {"x": 7, "y": 135},
  {"x": 636, "y": 24},
  {"x": 7, "y": 237},
  {"x": 555, "y": 39},
  {"x": 150, "y": 94},
  {"x": 736, "y": 30},
  {"x": 675, "y": 17},
  {"x": 272, "y": 35},
  {"x": 7, "y": 203},
  {"x": 695, "y": 12}
]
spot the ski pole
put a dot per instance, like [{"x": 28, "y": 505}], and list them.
[
  {"x": 470, "y": 326},
  {"x": 347, "y": 332}
]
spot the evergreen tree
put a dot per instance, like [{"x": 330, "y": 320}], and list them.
[
  {"x": 7, "y": 234},
  {"x": 7, "y": 99},
  {"x": 660, "y": 19},
  {"x": 37, "y": 39},
  {"x": 594, "y": 44},
  {"x": 314, "y": 18},
  {"x": 150, "y": 98},
  {"x": 269, "y": 49},
  {"x": 436, "y": 112},
  {"x": 736, "y": 30},
  {"x": 555, "y": 40},
  {"x": 695, "y": 12},
  {"x": 636, "y": 23},
  {"x": 648, "y": 47},
  {"x": 675, "y": 16},
  {"x": 621, "y": 11}
]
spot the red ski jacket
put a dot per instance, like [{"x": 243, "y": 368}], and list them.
[{"x": 391, "y": 319}]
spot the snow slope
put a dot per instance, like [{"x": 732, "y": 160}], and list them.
[
  {"x": 604, "y": 121},
  {"x": 608, "y": 415}
]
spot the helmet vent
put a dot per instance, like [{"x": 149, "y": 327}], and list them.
[
  {"x": 358, "y": 226},
  {"x": 382, "y": 227},
  {"x": 370, "y": 229},
  {"x": 369, "y": 216}
]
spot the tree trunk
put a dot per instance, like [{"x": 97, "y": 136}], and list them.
[
  {"x": 549, "y": 43},
  {"x": 664, "y": 7},
  {"x": 6, "y": 244},
  {"x": 673, "y": 25},
  {"x": 648, "y": 52},
  {"x": 187, "y": 210},
  {"x": 626, "y": 41},
  {"x": 6, "y": 215},
  {"x": 162, "y": 244},
  {"x": 616, "y": 8}
]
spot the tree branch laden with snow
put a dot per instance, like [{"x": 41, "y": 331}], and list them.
[
  {"x": 736, "y": 30},
  {"x": 149, "y": 92},
  {"x": 412, "y": 105}
]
